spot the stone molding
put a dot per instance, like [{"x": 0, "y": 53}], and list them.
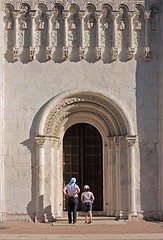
[
  {"x": 90, "y": 29},
  {"x": 86, "y": 105}
]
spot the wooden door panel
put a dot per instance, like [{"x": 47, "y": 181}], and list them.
[{"x": 82, "y": 154}]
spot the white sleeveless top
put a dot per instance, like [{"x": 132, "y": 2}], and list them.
[
  {"x": 72, "y": 189},
  {"x": 87, "y": 196}
]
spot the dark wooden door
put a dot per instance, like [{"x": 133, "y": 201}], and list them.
[{"x": 82, "y": 159}]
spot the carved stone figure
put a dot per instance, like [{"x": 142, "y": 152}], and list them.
[
  {"x": 147, "y": 53},
  {"x": 8, "y": 18},
  {"x": 122, "y": 25},
  {"x": 90, "y": 22}
]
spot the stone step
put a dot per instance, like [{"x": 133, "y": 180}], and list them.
[{"x": 95, "y": 218}]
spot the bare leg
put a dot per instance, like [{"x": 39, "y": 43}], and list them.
[
  {"x": 86, "y": 217},
  {"x": 90, "y": 216}
]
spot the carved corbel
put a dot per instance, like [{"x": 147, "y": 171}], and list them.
[
  {"x": 32, "y": 53},
  {"x": 16, "y": 53},
  {"x": 114, "y": 54},
  {"x": 131, "y": 52},
  {"x": 48, "y": 53},
  {"x": 82, "y": 53},
  {"x": 147, "y": 54},
  {"x": 98, "y": 53},
  {"x": 65, "y": 54}
]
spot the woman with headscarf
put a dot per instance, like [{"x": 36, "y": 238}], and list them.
[{"x": 71, "y": 190}]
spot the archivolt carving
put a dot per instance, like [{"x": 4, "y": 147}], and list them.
[
  {"x": 85, "y": 26},
  {"x": 86, "y": 104}
]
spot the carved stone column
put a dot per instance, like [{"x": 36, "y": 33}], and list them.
[
  {"x": 65, "y": 54},
  {"x": 82, "y": 43},
  {"x": 131, "y": 49},
  {"x": 109, "y": 175},
  {"x": 147, "y": 50},
  {"x": 40, "y": 179},
  {"x": 130, "y": 141},
  {"x": 114, "y": 16},
  {"x": 49, "y": 15},
  {"x": 98, "y": 47},
  {"x": 16, "y": 15},
  {"x": 118, "y": 173},
  {"x": 32, "y": 47}
]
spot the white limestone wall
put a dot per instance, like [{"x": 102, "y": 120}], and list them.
[
  {"x": 161, "y": 125},
  {"x": 2, "y": 196},
  {"x": 28, "y": 86}
]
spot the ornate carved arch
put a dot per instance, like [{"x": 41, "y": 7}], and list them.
[{"x": 95, "y": 106}]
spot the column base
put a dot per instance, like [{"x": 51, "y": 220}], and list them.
[{"x": 133, "y": 216}]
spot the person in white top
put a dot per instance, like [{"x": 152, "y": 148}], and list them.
[
  {"x": 71, "y": 190},
  {"x": 87, "y": 198}
]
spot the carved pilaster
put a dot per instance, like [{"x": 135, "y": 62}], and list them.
[
  {"x": 114, "y": 16},
  {"x": 147, "y": 50},
  {"x": 65, "y": 53},
  {"x": 118, "y": 189},
  {"x": 82, "y": 44},
  {"x": 16, "y": 15},
  {"x": 49, "y": 15},
  {"x": 98, "y": 48},
  {"x": 131, "y": 49},
  {"x": 130, "y": 141},
  {"x": 32, "y": 49}
]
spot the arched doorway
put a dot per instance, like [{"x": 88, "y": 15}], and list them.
[
  {"x": 83, "y": 159},
  {"x": 62, "y": 118}
]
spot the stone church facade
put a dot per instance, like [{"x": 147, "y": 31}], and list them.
[{"x": 81, "y": 95}]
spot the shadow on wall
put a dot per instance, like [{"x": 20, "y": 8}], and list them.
[
  {"x": 31, "y": 145},
  {"x": 147, "y": 103}
]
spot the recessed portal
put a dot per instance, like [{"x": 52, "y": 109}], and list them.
[{"x": 83, "y": 159}]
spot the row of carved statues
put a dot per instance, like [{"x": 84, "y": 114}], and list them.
[{"x": 78, "y": 29}]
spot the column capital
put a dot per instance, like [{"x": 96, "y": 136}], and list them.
[
  {"x": 82, "y": 15},
  {"x": 130, "y": 140},
  {"x": 16, "y": 14},
  {"x": 98, "y": 15},
  {"x": 40, "y": 141},
  {"x": 49, "y": 14},
  {"x": 65, "y": 14},
  {"x": 32, "y": 13},
  {"x": 147, "y": 15},
  {"x": 114, "y": 15},
  {"x": 116, "y": 140},
  {"x": 131, "y": 15}
]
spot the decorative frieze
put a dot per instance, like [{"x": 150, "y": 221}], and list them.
[{"x": 82, "y": 30}]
